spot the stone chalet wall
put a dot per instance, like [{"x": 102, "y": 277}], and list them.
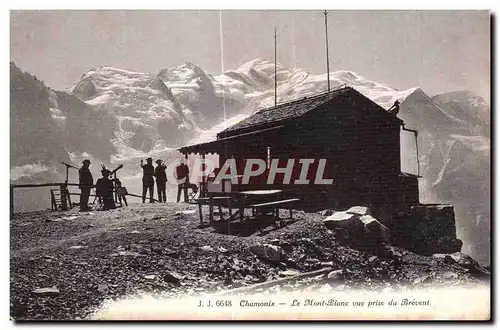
[{"x": 426, "y": 229}]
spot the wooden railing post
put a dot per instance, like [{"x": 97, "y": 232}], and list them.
[
  {"x": 203, "y": 179},
  {"x": 64, "y": 202},
  {"x": 11, "y": 200}
]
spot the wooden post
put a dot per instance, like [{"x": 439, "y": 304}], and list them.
[
  {"x": 204, "y": 168},
  {"x": 64, "y": 204},
  {"x": 11, "y": 200},
  {"x": 115, "y": 191},
  {"x": 210, "y": 210},
  {"x": 242, "y": 207},
  {"x": 203, "y": 179},
  {"x": 184, "y": 186},
  {"x": 201, "y": 212},
  {"x": 53, "y": 204}
]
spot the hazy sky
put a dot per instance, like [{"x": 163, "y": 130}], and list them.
[{"x": 439, "y": 51}]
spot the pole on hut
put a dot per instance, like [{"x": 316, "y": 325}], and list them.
[
  {"x": 327, "y": 58},
  {"x": 275, "y": 74},
  {"x": 186, "y": 163}
]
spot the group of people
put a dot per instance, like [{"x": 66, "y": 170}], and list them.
[
  {"x": 149, "y": 173},
  {"x": 105, "y": 187}
]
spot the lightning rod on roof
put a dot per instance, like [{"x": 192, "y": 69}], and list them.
[
  {"x": 275, "y": 75},
  {"x": 327, "y": 59}
]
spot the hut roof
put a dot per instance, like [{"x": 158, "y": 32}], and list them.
[
  {"x": 219, "y": 145},
  {"x": 295, "y": 109}
]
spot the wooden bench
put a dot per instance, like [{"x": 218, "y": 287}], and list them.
[
  {"x": 210, "y": 201},
  {"x": 261, "y": 208}
]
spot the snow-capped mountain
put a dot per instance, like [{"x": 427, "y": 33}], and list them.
[
  {"x": 118, "y": 116},
  {"x": 148, "y": 116},
  {"x": 468, "y": 107},
  {"x": 198, "y": 92}
]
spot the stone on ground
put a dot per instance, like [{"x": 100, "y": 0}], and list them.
[
  {"x": 52, "y": 291},
  {"x": 268, "y": 251},
  {"x": 359, "y": 210}
]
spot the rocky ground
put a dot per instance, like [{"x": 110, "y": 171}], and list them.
[{"x": 65, "y": 264}]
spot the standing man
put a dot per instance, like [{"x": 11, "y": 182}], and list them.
[
  {"x": 148, "y": 182},
  {"x": 86, "y": 181},
  {"x": 161, "y": 181},
  {"x": 182, "y": 171}
]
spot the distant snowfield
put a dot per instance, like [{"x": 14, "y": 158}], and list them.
[
  {"x": 28, "y": 170},
  {"x": 211, "y": 134},
  {"x": 58, "y": 116}
]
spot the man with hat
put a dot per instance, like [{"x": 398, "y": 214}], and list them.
[
  {"x": 148, "y": 182},
  {"x": 104, "y": 190},
  {"x": 86, "y": 181},
  {"x": 182, "y": 172},
  {"x": 161, "y": 181}
]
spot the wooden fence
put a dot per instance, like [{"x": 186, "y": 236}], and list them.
[{"x": 60, "y": 185}]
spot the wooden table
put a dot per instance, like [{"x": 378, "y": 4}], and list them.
[
  {"x": 270, "y": 204},
  {"x": 243, "y": 196},
  {"x": 211, "y": 200}
]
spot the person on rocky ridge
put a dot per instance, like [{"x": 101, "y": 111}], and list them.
[
  {"x": 148, "y": 182},
  {"x": 86, "y": 181},
  {"x": 161, "y": 181},
  {"x": 182, "y": 174}
]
